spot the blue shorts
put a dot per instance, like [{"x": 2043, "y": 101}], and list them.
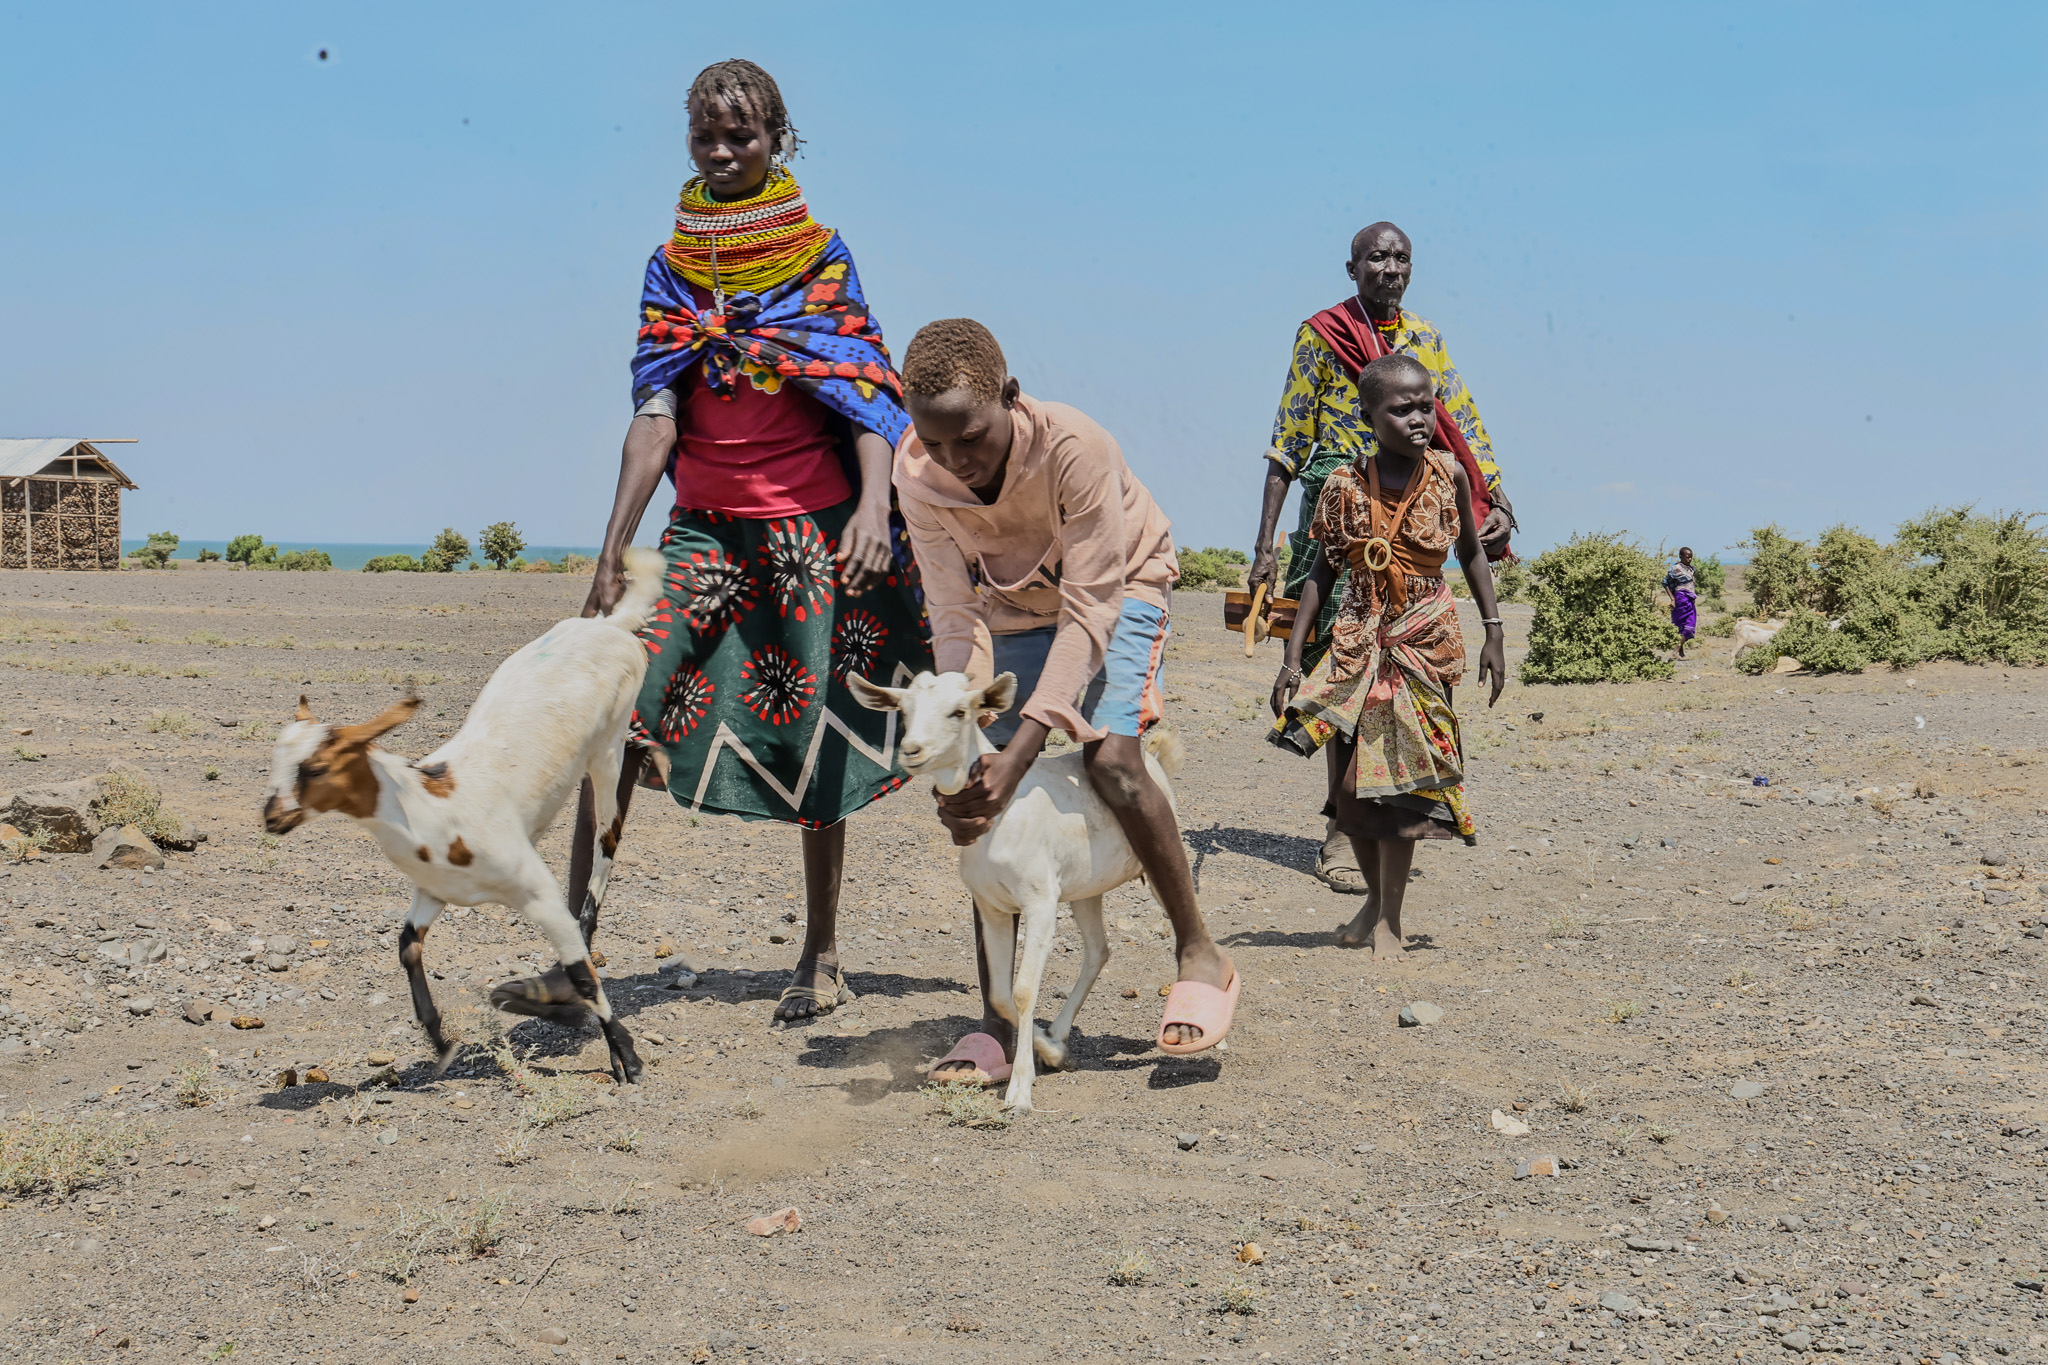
[{"x": 1125, "y": 698}]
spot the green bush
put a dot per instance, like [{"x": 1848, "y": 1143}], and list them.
[
  {"x": 1779, "y": 575},
  {"x": 1953, "y": 584},
  {"x": 157, "y": 553},
  {"x": 1806, "y": 637},
  {"x": 1213, "y": 564},
  {"x": 575, "y": 563},
  {"x": 1510, "y": 579},
  {"x": 207, "y": 555},
  {"x": 250, "y": 550},
  {"x": 306, "y": 561},
  {"x": 392, "y": 564},
  {"x": 1596, "y": 614},
  {"x": 1711, "y": 576},
  {"x": 449, "y": 549},
  {"x": 500, "y": 542},
  {"x": 1721, "y": 627}
]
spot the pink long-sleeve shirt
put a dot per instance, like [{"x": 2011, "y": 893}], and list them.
[{"x": 1070, "y": 534}]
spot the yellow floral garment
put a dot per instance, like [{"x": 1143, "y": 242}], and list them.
[{"x": 1322, "y": 421}]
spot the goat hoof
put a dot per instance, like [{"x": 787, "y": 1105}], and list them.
[
  {"x": 444, "y": 1056},
  {"x": 626, "y": 1065},
  {"x": 547, "y": 996},
  {"x": 1052, "y": 1056}
]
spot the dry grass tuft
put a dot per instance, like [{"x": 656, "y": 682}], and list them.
[
  {"x": 172, "y": 723},
  {"x": 471, "y": 1226},
  {"x": 1621, "y": 1011},
  {"x": 62, "y": 1155},
  {"x": 1129, "y": 1266},
  {"x": 195, "y": 1088},
  {"x": 968, "y": 1106},
  {"x": 1239, "y": 1296},
  {"x": 549, "y": 1099},
  {"x": 1574, "y": 1098},
  {"x": 128, "y": 800},
  {"x": 624, "y": 1140}
]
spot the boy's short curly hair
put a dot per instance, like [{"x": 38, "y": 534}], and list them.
[
  {"x": 955, "y": 353},
  {"x": 1382, "y": 374}
]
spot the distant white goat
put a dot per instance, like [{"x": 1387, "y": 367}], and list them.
[
  {"x": 1754, "y": 634},
  {"x": 461, "y": 822},
  {"x": 1055, "y": 842}
]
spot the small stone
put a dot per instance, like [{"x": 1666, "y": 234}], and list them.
[
  {"x": 411, "y": 1295},
  {"x": 1791, "y": 1222},
  {"x": 551, "y": 1336},
  {"x": 1651, "y": 1244},
  {"x": 197, "y": 1011},
  {"x": 277, "y": 962},
  {"x": 1995, "y": 896},
  {"x": 1417, "y": 1013},
  {"x": 1717, "y": 1216},
  {"x": 287, "y": 1078},
  {"x": 1927, "y": 1000},
  {"x": 1798, "y": 1339},
  {"x": 782, "y": 1220},
  {"x": 126, "y": 849},
  {"x": 1851, "y": 1289},
  {"x": 316, "y": 1076},
  {"x": 247, "y": 1021},
  {"x": 1546, "y": 1164},
  {"x": 282, "y": 943},
  {"x": 1739, "y": 898},
  {"x": 1187, "y": 1141},
  {"x": 1993, "y": 860},
  {"x": 381, "y": 1058},
  {"x": 141, "y": 1005},
  {"x": 1251, "y": 1253},
  {"x": 387, "y": 1136},
  {"x": 1508, "y": 1127},
  {"x": 1620, "y": 1304},
  {"x": 1745, "y": 1090},
  {"x": 665, "y": 949},
  {"x": 1130, "y": 992},
  {"x": 265, "y": 1223}
]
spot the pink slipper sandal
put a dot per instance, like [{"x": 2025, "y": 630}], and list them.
[
  {"x": 1203, "y": 1006},
  {"x": 991, "y": 1064}
]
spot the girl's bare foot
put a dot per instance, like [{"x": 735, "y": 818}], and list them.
[
  {"x": 1386, "y": 944},
  {"x": 1359, "y": 931}
]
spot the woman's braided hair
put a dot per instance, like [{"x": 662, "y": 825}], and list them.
[
  {"x": 955, "y": 353},
  {"x": 740, "y": 84}
]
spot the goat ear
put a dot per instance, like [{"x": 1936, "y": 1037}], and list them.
[
  {"x": 872, "y": 695},
  {"x": 390, "y": 718},
  {"x": 304, "y": 712},
  {"x": 999, "y": 695}
]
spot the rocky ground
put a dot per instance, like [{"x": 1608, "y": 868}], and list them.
[{"x": 1782, "y": 1043}]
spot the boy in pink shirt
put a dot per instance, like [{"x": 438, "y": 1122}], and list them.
[{"x": 1043, "y": 556}]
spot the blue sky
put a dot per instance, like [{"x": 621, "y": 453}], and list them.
[{"x": 1691, "y": 259}]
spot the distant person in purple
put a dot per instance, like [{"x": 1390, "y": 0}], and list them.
[{"x": 1683, "y": 585}]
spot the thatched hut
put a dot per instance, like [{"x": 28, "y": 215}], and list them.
[{"x": 60, "y": 504}]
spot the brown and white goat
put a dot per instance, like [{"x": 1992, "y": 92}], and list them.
[{"x": 461, "y": 822}]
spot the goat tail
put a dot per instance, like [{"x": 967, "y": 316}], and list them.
[
  {"x": 1165, "y": 746},
  {"x": 644, "y": 569}
]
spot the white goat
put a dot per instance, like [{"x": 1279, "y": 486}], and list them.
[
  {"x": 461, "y": 822},
  {"x": 1754, "y": 634},
  {"x": 1057, "y": 841}
]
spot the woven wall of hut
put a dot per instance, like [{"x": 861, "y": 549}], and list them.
[{"x": 60, "y": 524}]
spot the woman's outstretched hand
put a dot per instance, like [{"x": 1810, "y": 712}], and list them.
[
  {"x": 1284, "y": 688},
  {"x": 1493, "y": 663},
  {"x": 607, "y": 585},
  {"x": 864, "y": 557}
]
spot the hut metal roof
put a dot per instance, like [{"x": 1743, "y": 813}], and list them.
[{"x": 29, "y": 456}]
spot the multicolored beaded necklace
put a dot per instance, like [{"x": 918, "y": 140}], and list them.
[{"x": 753, "y": 243}]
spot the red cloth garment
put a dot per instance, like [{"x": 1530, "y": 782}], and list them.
[
  {"x": 760, "y": 452},
  {"x": 1349, "y": 331}
]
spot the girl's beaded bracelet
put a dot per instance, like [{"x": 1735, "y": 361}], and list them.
[{"x": 1489, "y": 620}]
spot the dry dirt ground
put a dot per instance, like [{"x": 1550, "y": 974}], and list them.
[{"x": 1640, "y": 931}]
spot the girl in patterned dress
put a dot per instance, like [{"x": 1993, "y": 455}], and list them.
[
  {"x": 1381, "y": 696},
  {"x": 764, "y": 393}
]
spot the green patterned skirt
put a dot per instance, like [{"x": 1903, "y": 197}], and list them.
[
  {"x": 750, "y": 647},
  {"x": 1301, "y": 554}
]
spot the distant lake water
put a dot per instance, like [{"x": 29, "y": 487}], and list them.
[{"x": 347, "y": 556}]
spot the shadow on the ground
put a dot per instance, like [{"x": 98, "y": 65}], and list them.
[{"x": 1282, "y": 850}]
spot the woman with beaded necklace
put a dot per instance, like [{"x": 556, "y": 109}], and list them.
[{"x": 763, "y": 390}]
